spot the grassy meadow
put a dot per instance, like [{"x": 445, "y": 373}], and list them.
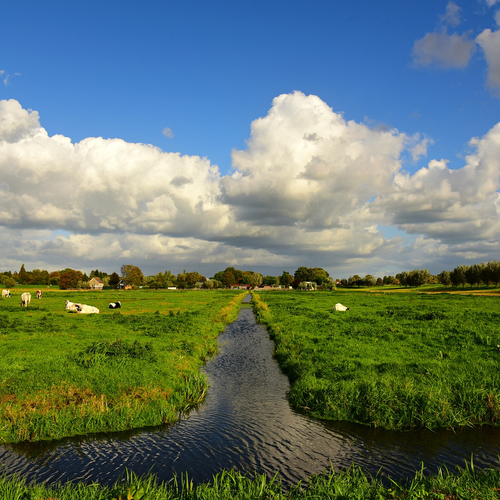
[
  {"x": 65, "y": 374},
  {"x": 394, "y": 360}
]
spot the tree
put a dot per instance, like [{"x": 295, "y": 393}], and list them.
[
  {"x": 132, "y": 275},
  {"x": 39, "y": 277},
  {"x": 403, "y": 278},
  {"x": 270, "y": 280},
  {"x": 380, "y": 282},
  {"x": 24, "y": 276},
  {"x": 70, "y": 279},
  {"x": 286, "y": 279},
  {"x": 303, "y": 274},
  {"x": 473, "y": 274},
  {"x": 444, "y": 278},
  {"x": 219, "y": 276},
  {"x": 369, "y": 280},
  {"x": 54, "y": 278},
  {"x": 193, "y": 278},
  {"x": 10, "y": 282},
  {"x": 114, "y": 279},
  {"x": 354, "y": 281},
  {"x": 319, "y": 275},
  {"x": 494, "y": 268},
  {"x": 228, "y": 278},
  {"x": 418, "y": 277},
  {"x": 256, "y": 279},
  {"x": 328, "y": 284},
  {"x": 458, "y": 277}
]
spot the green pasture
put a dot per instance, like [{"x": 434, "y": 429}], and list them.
[
  {"x": 394, "y": 360},
  {"x": 63, "y": 373}
]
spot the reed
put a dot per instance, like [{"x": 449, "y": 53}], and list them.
[
  {"x": 351, "y": 484},
  {"x": 395, "y": 360},
  {"x": 64, "y": 374}
]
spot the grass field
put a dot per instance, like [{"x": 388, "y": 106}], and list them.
[
  {"x": 352, "y": 484},
  {"x": 65, "y": 374},
  {"x": 394, "y": 360}
]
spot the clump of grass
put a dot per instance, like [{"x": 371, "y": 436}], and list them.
[{"x": 118, "y": 349}]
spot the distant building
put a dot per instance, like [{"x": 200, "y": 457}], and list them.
[
  {"x": 238, "y": 286},
  {"x": 96, "y": 284}
]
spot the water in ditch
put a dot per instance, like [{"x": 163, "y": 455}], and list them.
[{"x": 246, "y": 424}]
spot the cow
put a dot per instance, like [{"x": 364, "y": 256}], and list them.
[
  {"x": 115, "y": 305},
  {"x": 39, "y": 294},
  {"x": 70, "y": 306},
  {"x": 340, "y": 307},
  {"x": 84, "y": 309},
  {"x": 6, "y": 293},
  {"x": 25, "y": 299}
]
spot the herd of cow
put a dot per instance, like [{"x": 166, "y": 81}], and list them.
[
  {"x": 70, "y": 306},
  {"x": 85, "y": 309}
]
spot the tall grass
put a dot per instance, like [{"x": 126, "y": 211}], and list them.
[
  {"x": 351, "y": 484},
  {"x": 397, "y": 361},
  {"x": 63, "y": 374}
]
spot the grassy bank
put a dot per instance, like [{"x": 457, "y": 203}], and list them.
[
  {"x": 64, "y": 374},
  {"x": 394, "y": 360},
  {"x": 349, "y": 485}
]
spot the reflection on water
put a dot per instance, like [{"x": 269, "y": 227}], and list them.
[{"x": 246, "y": 423}]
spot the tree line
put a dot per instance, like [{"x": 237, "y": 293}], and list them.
[{"x": 303, "y": 278}]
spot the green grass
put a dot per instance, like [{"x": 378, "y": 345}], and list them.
[
  {"x": 63, "y": 374},
  {"x": 395, "y": 360},
  {"x": 352, "y": 484}
]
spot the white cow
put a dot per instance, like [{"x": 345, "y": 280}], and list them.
[
  {"x": 25, "y": 299},
  {"x": 70, "y": 306},
  {"x": 340, "y": 307},
  {"x": 84, "y": 309},
  {"x": 6, "y": 293}
]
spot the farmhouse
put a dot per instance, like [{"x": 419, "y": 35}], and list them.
[
  {"x": 238, "y": 286},
  {"x": 96, "y": 283}
]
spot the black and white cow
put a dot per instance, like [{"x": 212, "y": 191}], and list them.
[{"x": 115, "y": 305}]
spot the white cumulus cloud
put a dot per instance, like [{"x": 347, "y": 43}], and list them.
[{"x": 310, "y": 188}]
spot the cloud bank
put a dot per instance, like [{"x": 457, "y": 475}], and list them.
[{"x": 310, "y": 188}]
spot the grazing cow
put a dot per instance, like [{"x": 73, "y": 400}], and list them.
[
  {"x": 70, "y": 306},
  {"x": 6, "y": 293},
  {"x": 115, "y": 305},
  {"x": 25, "y": 299},
  {"x": 38, "y": 294},
  {"x": 340, "y": 307},
  {"x": 84, "y": 309}
]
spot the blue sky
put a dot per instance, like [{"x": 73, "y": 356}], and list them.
[{"x": 192, "y": 77}]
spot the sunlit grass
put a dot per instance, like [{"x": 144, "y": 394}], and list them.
[
  {"x": 353, "y": 483},
  {"x": 64, "y": 374},
  {"x": 397, "y": 361}
]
